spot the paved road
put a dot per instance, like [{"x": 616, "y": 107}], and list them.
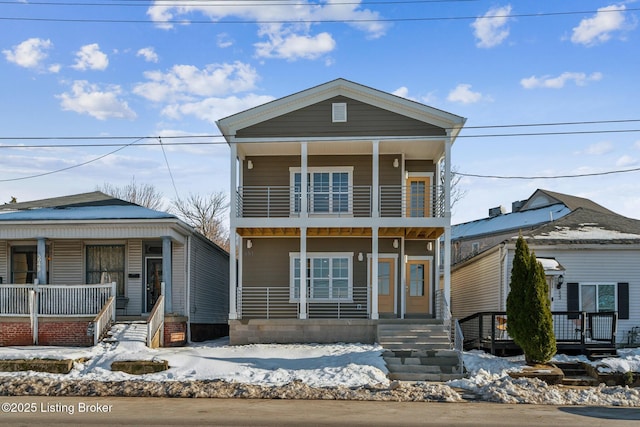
[{"x": 68, "y": 411}]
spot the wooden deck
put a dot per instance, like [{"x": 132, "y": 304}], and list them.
[{"x": 592, "y": 334}]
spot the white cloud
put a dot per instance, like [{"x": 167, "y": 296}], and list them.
[
  {"x": 148, "y": 53},
  {"x": 86, "y": 98},
  {"x": 580, "y": 79},
  {"x": 637, "y": 145},
  {"x": 188, "y": 82},
  {"x": 599, "y": 148},
  {"x": 402, "y": 92},
  {"x": 626, "y": 161},
  {"x": 30, "y": 53},
  {"x": 54, "y": 68},
  {"x": 89, "y": 57},
  {"x": 463, "y": 94},
  {"x": 599, "y": 28},
  {"x": 290, "y": 46},
  {"x": 212, "y": 109},
  {"x": 291, "y": 41},
  {"x": 224, "y": 40},
  {"x": 491, "y": 29}
]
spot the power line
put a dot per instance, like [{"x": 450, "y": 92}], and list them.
[
  {"x": 173, "y": 182},
  {"x": 252, "y": 3},
  {"x": 580, "y": 175},
  {"x": 69, "y": 167},
  {"x": 314, "y": 21}
]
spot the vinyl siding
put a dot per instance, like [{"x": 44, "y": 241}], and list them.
[
  {"x": 209, "y": 293},
  {"x": 4, "y": 261},
  {"x": 600, "y": 265},
  {"x": 178, "y": 279},
  {"x": 67, "y": 263},
  {"x": 362, "y": 120},
  {"x": 133, "y": 286},
  {"x": 476, "y": 286}
]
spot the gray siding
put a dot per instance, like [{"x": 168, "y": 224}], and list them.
[
  {"x": 133, "y": 286},
  {"x": 178, "y": 278},
  {"x": 476, "y": 287},
  {"x": 209, "y": 293},
  {"x": 4, "y": 261},
  {"x": 362, "y": 120},
  {"x": 67, "y": 263}
]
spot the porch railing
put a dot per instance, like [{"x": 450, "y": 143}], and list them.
[
  {"x": 276, "y": 302},
  {"x": 155, "y": 323},
  {"x": 55, "y": 300},
  {"x": 577, "y": 328},
  {"x": 356, "y": 201},
  {"x": 102, "y": 322}
]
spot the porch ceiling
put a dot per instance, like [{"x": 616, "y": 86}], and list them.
[{"x": 427, "y": 233}]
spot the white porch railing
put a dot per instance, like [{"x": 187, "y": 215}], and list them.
[
  {"x": 102, "y": 322},
  {"x": 14, "y": 300},
  {"x": 276, "y": 302},
  {"x": 155, "y": 322}
]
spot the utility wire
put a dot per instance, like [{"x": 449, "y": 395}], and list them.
[
  {"x": 313, "y": 21},
  {"x": 218, "y": 3},
  {"x": 173, "y": 182},
  {"x": 581, "y": 175},
  {"x": 69, "y": 167}
]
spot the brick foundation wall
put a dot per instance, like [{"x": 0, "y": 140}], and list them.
[
  {"x": 175, "y": 331},
  {"x": 64, "y": 332},
  {"x": 61, "y": 332},
  {"x": 15, "y": 332}
]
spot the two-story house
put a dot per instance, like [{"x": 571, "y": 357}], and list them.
[{"x": 339, "y": 197}]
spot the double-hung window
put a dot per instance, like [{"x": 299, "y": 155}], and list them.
[
  {"x": 105, "y": 264},
  {"x": 329, "y": 276},
  {"x": 596, "y": 297},
  {"x": 328, "y": 190}
]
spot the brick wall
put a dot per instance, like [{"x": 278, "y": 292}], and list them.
[
  {"x": 64, "y": 332},
  {"x": 15, "y": 332},
  {"x": 175, "y": 331}
]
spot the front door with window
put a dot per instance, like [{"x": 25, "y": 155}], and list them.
[
  {"x": 386, "y": 285},
  {"x": 154, "y": 282},
  {"x": 418, "y": 197},
  {"x": 417, "y": 287}
]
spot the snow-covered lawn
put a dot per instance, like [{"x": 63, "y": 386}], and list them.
[{"x": 321, "y": 366}]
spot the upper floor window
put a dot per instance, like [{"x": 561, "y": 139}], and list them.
[{"x": 328, "y": 189}]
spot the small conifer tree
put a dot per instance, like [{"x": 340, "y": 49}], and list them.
[{"x": 529, "y": 319}]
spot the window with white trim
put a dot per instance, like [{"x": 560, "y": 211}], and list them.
[
  {"x": 329, "y": 276},
  {"x": 329, "y": 190},
  {"x": 596, "y": 297}
]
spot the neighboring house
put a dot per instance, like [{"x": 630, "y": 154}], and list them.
[
  {"x": 590, "y": 254},
  {"x": 74, "y": 246},
  {"x": 326, "y": 183}
]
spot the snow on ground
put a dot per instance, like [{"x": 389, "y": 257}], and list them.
[{"x": 323, "y": 366}]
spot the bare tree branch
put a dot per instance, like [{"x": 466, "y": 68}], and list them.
[
  {"x": 205, "y": 214},
  {"x": 141, "y": 194}
]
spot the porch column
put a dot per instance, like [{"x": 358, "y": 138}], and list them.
[
  {"x": 447, "y": 214},
  {"x": 375, "y": 184},
  {"x": 303, "y": 273},
  {"x": 166, "y": 274},
  {"x": 233, "y": 214},
  {"x": 374, "y": 274},
  {"x": 41, "y": 267},
  {"x": 304, "y": 203}
]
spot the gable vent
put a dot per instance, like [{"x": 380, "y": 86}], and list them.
[{"x": 339, "y": 112}]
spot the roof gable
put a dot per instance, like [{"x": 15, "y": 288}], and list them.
[
  {"x": 541, "y": 198},
  {"x": 232, "y": 125}
]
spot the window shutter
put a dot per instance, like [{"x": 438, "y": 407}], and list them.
[
  {"x": 623, "y": 300},
  {"x": 573, "y": 299}
]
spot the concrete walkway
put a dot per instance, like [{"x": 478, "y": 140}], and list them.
[{"x": 68, "y": 411}]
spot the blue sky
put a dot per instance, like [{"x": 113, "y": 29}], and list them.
[{"x": 127, "y": 68}]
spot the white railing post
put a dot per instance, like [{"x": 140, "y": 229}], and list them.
[{"x": 113, "y": 294}]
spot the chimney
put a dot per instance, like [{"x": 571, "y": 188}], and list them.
[
  {"x": 517, "y": 205},
  {"x": 497, "y": 211}
]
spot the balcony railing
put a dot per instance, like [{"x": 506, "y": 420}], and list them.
[
  {"x": 276, "y": 302},
  {"x": 395, "y": 201}
]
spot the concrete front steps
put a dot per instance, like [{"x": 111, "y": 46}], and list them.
[{"x": 418, "y": 350}]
